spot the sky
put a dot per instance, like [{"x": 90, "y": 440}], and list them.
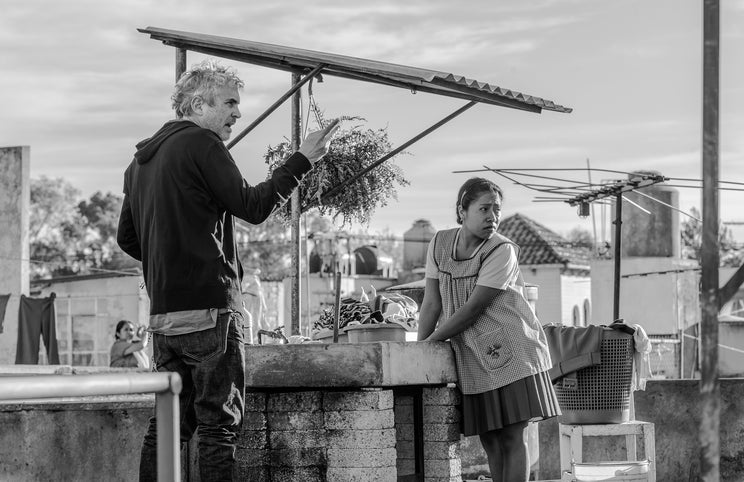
[{"x": 80, "y": 85}]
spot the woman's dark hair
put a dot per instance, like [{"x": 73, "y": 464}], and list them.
[
  {"x": 471, "y": 190},
  {"x": 119, "y": 326}
]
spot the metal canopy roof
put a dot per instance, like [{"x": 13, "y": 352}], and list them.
[{"x": 403, "y": 76}]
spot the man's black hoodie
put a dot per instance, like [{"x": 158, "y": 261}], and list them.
[{"x": 180, "y": 193}]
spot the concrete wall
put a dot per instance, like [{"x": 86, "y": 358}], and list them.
[
  {"x": 15, "y": 198},
  {"x": 548, "y": 281},
  {"x": 73, "y": 440},
  {"x": 575, "y": 291},
  {"x": 663, "y": 298},
  {"x": 88, "y": 309},
  {"x": 674, "y": 407},
  {"x": 731, "y": 349}
]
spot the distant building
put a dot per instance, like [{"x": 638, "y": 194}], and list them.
[
  {"x": 88, "y": 308},
  {"x": 559, "y": 269}
]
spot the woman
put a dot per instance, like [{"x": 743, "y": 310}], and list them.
[
  {"x": 125, "y": 352},
  {"x": 474, "y": 297}
]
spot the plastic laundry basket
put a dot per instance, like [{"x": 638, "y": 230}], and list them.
[{"x": 602, "y": 392}]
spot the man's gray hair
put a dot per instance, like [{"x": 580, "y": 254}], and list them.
[{"x": 201, "y": 81}]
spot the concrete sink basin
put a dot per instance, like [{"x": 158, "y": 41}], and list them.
[{"x": 371, "y": 364}]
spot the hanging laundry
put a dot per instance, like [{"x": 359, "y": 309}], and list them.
[
  {"x": 36, "y": 317},
  {"x": 3, "y": 305}
]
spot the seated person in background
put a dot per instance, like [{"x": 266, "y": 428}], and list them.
[{"x": 125, "y": 350}]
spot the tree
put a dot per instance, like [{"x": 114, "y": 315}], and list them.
[
  {"x": 580, "y": 237},
  {"x": 692, "y": 241},
  {"x": 69, "y": 236}
]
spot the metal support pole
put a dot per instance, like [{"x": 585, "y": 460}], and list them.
[
  {"x": 168, "y": 416},
  {"x": 295, "y": 206},
  {"x": 180, "y": 62},
  {"x": 618, "y": 222},
  {"x": 709, "y": 385}
]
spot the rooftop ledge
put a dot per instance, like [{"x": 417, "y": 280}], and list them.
[{"x": 369, "y": 364}]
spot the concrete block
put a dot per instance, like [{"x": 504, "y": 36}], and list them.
[
  {"x": 442, "y": 468},
  {"x": 294, "y": 420},
  {"x": 369, "y": 458},
  {"x": 378, "y": 439},
  {"x": 442, "y": 450},
  {"x": 445, "y": 479},
  {"x": 360, "y": 419},
  {"x": 294, "y": 401},
  {"x": 255, "y": 401},
  {"x": 404, "y": 414},
  {"x": 406, "y": 449},
  {"x": 442, "y": 414},
  {"x": 405, "y": 466},
  {"x": 296, "y": 474},
  {"x": 252, "y": 474},
  {"x": 254, "y": 421},
  {"x": 358, "y": 400},
  {"x": 441, "y": 396},
  {"x": 253, "y": 439},
  {"x": 441, "y": 432},
  {"x": 301, "y": 457},
  {"x": 404, "y": 431},
  {"x": 252, "y": 457},
  {"x": 344, "y": 474},
  {"x": 297, "y": 439}
]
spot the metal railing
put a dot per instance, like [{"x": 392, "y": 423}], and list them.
[{"x": 166, "y": 387}]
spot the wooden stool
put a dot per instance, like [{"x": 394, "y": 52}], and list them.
[{"x": 571, "y": 437}]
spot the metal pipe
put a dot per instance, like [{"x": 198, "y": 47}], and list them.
[
  {"x": 336, "y": 305},
  {"x": 165, "y": 385},
  {"x": 394, "y": 152},
  {"x": 295, "y": 87},
  {"x": 618, "y": 222},
  {"x": 48, "y": 386},
  {"x": 709, "y": 385},
  {"x": 296, "y": 129}
]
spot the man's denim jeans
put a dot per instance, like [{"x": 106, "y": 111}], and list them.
[{"x": 211, "y": 364}]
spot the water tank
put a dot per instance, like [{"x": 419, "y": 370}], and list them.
[
  {"x": 415, "y": 242},
  {"x": 650, "y": 235},
  {"x": 370, "y": 260}
]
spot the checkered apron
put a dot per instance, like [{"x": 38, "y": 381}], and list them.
[{"x": 506, "y": 343}]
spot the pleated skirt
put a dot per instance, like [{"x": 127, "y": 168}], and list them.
[{"x": 529, "y": 399}]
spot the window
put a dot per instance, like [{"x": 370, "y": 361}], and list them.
[
  {"x": 85, "y": 331},
  {"x": 587, "y": 312},
  {"x": 576, "y": 316}
]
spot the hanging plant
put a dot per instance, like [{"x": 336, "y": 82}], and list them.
[{"x": 351, "y": 150}]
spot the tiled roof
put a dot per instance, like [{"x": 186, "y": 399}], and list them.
[{"x": 540, "y": 245}]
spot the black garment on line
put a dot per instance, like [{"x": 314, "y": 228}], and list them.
[
  {"x": 36, "y": 318},
  {"x": 3, "y": 305}
]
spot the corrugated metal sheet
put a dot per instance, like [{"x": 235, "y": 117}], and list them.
[{"x": 403, "y": 76}]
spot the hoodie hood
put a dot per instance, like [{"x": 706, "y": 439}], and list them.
[{"x": 147, "y": 148}]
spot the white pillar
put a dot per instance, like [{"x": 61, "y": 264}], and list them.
[{"x": 15, "y": 199}]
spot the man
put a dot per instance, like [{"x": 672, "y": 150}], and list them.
[{"x": 181, "y": 192}]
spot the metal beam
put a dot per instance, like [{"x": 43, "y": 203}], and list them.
[
  {"x": 295, "y": 200},
  {"x": 391, "y": 154}
]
